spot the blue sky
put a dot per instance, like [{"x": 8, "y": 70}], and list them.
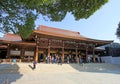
[{"x": 101, "y": 25}]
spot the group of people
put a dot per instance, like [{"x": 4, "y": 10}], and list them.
[
  {"x": 58, "y": 59},
  {"x": 50, "y": 59},
  {"x": 54, "y": 59}
]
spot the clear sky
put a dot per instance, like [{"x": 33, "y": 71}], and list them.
[{"x": 101, "y": 25}]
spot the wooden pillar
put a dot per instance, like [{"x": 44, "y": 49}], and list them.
[
  {"x": 76, "y": 51},
  {"x": 63, "y": 53},
  {"x": 49, "y": 48},
  {"x": 22, "y": 53},
  {"x": 8, "y": 52},
  {"x": 86, "y": 53},
  {"x": 94, "y": 54},
  {"x": 36, "y": 54}
]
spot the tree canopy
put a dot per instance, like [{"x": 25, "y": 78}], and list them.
[
  {"x": 118, "y": 31},
  {"x": 18, "y": 16}
]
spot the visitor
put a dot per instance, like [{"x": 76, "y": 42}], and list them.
[
  {"x": 60, "y": 60},
  {"x": 77, "y": 60},
  {"x": 34, "y": 64},
  {"x": 89, "y": 59},
  {"x": 57, "y": 59},
  {"x": 14, "y": 60},
  {"x": 68, "y": 59},
  {"x": 46, "y": 59},
  {"x": 80, "y": 60},
  {"x": 52, "y": 59}
]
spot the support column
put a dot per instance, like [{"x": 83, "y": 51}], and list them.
[
  {"x": 76, "y": 51},
  {"x": 8, "y": 52},
  {"x": 37, "y": 39},
  {"x": 36, "y": 54},
  {"x": 22, "y": 54},
  {"x": 49, "y": 48},
  {"x": 94, "y": 54},
  {"x": 86, "y": 53},
  {"x": 63, "y": 53}
]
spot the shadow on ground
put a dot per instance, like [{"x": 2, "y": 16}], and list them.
[
  {"x": 31, "y": 67},
  {"x": 9, "y": 73},
  {"x": 97, "y": 68}
]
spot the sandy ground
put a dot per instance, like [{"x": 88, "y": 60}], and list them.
[{"x": 22, "y": 73}]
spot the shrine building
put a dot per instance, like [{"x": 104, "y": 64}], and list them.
[{"x": 48, "y": 41}]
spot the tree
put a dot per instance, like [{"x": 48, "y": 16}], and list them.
[
  {"x": 118, "y": 31},
  {"x": 25, "y": 30},
  {"x": 15, "y": 14}
]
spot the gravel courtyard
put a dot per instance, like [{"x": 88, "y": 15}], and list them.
[{"x": 22, "y": 73}]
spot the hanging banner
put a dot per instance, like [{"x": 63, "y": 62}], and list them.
[
  {"x": 29, "y": 53},
  {"x": 14, "y": 52}
]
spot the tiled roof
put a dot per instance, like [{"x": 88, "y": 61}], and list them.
[
  {"x": 65, "y": 34},
  {"x": 11, "y": 37},
  {"x": 58, "y": 31},
  {"x": 54, "y": 33}
]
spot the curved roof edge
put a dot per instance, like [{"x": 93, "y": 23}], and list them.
[
  {"x": 66, "y": 34},
  {"x": 55, "y": 33}
]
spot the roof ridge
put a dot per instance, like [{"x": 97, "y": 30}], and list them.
[{"x": 57, "y": 30}]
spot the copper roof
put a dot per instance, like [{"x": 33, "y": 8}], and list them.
[
  {"x": 57, "y": 31},
  {"x": 11, "y": 37},
  {"x": 50, "y": 32},
  {"x": 14, "y": 39},
  {"x": 65, "y": 34}
]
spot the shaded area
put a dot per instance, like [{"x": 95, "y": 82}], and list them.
[
  {"x": 9, "y": 73},
  {"x": 97, "y": 68},
  {"x": 31, "y": 67}
]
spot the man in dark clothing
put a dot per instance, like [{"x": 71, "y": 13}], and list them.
[{"x": 34, "y": 64}]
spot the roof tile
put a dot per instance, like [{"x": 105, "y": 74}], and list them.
[{"x": 11, "y": 37}]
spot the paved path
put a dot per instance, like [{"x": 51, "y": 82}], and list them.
[{"x": 23, "y": 73}]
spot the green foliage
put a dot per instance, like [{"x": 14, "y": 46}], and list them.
[
  {"x": 78, "y": 8},
  {"x": 15, "y": 14},
  {"x": 118, "y": 31},
  {"x": 25, "y": 30}
]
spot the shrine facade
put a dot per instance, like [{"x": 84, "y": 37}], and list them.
[{"x": 47, "y": 41}]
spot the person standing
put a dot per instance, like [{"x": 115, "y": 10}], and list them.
[
  {"x": 68, "y": 59},
  {"x": 46, "y": 59},
  {"x": 34, "y": 64},
  {"x": 60, "y": 60}
]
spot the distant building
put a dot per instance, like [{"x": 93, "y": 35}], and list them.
[{"x": 113, "y": 49}]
